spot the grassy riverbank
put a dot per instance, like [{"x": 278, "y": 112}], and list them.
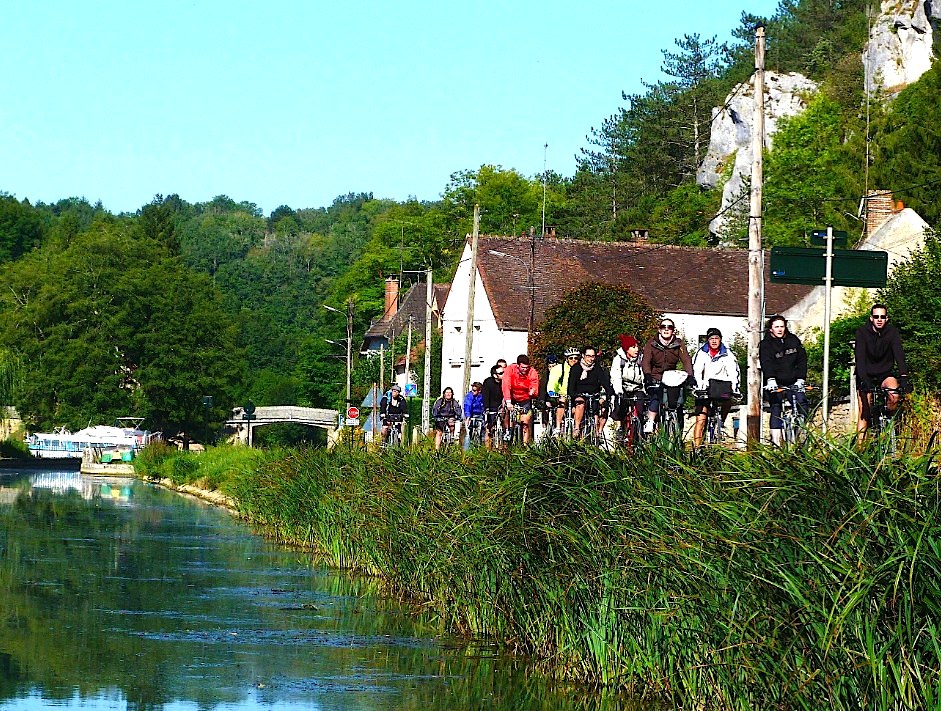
[{"x": 714, "y": 579}]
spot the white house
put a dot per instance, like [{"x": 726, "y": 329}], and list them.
[{"x": 697, "y": 288}]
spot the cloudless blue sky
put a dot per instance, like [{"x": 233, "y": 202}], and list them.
[{"x": 298, "y": 102}]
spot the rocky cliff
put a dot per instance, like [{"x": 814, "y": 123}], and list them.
[
  {"x": 899, "y": 50},
  {"x": 730, "y": 153}
]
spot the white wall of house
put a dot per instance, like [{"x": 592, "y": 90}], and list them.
[
  {"x": 693, "y": 327},
  {"x": 490, "y": 342}
]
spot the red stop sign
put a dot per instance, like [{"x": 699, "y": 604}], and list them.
[{"x": 352, "y": 412}]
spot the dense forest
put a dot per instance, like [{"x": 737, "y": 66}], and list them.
[{"x": 103, "y": 315}]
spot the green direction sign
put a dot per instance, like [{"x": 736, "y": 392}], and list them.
[
  {"x": 851, "y": 267},
  {"x": 820, "y": 237}
]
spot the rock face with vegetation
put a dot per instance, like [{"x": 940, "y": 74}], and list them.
[
  {"x": 729, "y": 156},
  {"x": 899, "y": 50}
]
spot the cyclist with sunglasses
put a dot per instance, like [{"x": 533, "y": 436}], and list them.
[
  {"x": 878, "y": 353},
  {"x": 557, "y": 386},
  {"x": 492, "y": 394},
  {"x": 662, "y": 353}
]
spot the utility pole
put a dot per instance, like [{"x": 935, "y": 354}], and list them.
[
  {"x": 545, "y": 155},
  {"x": 408, "y": 352},
  {"x": 382, "y": 368},
  {"x": 532, "y": 283},
  {"x": 469, "y": 327},
  {"x": 349, "y": 350},
  {"x": 755, "y": 261},
  {"x": 426, "y": 401}
]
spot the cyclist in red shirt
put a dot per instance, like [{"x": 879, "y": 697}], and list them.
[{"x": 520, "y": 387}]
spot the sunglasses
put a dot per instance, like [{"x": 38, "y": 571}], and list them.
[
  {"x": 499, "y": 372},
  {"x": 880, "y": 317},
  {"x": 665, "y": 327}
]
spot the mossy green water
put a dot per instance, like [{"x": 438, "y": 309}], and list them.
[{"x": 712, "y": 578}]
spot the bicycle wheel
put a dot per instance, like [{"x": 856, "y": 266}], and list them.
[
  {"x": 717, "y": 425},
  {"x": 670, "y": 424},
  {"x": 888, "y": 436}
]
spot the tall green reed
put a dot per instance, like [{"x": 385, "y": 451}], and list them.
[{"x": 799, "y": 579}]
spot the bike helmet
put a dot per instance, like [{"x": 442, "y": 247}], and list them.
[{"x": 569, "y": 352}]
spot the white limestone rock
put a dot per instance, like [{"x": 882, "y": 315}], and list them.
[
  {"x": 730, "y": 141},
  {"x": 899, "y": 48}
]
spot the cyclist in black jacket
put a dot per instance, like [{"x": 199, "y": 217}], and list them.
[
  {"x": 878, "y": 353},
  {"x": 588, "y": 378},
  {"x": 392, "y": 409},
  {"x": 492, "y": 392},
  {"x": 783, "y": 363}
]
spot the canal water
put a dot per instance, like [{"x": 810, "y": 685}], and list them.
[{"x": 117, "y": 594}]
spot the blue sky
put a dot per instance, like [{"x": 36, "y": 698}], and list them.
[{"x": 298, "y": 102}]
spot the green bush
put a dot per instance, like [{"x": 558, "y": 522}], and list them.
[{"x": 14, "y": 449}]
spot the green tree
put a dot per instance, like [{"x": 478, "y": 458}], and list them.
[
  {"x": 114, "y": 325},
  {"x": 907, "y": 146},
  {"x": 593, "y": 314},
  {"x": 21, "y": 228},
  {"x": 813, "y": 175},
  {"x": 915, "y": 307}
]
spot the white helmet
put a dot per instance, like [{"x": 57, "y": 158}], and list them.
[{"x": 569, "y": 352}]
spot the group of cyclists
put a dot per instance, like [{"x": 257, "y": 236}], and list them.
[{"x": 645, "y": 387}]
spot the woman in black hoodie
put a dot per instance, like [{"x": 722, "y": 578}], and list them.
[{"x": 783, "y": 363}]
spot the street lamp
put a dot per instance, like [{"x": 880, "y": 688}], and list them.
[{"x": 349, "y": 344}]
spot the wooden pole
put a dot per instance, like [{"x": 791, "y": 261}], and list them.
[
  {"x": 408, "y": 354},
  {"x": 471, "y": 288},
  {"x": 426, "y": 402},
  {"x": 755, "y": 261}
]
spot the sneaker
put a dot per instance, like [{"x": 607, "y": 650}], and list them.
[
  {"x": 648, "y": 427},
  {"x": 507, "y": 436}
]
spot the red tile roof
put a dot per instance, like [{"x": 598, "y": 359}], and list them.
[{"x": 673, "y": 279}]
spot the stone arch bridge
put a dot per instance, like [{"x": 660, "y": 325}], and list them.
[{"x": 310, "y": 416}]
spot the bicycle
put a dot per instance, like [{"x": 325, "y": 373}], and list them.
[
  {"x": 793, "y": 415},
  {"x": 495, "y": 428},
  {"x": 448, "y": 438},
  {"x": 593, "y": 408},
  {"x": 672, "y": 391},
  {"x": 883, "y": 423},
  {"x": 514, "y": 433},
  {"x": 632, "y": 429},
  {"x": 715, "y": 423},
  {"x": 476, "y": 431},
  {"x": 393, "y": 436}
]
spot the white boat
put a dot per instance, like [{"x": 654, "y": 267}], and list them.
[{"x": 63, "y": 444}]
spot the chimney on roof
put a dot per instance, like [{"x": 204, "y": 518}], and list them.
[
  {"x": 880, "y": 206},
  {"x": 392, "y": 298}
]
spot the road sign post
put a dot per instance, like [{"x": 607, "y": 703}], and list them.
[
  {"x": 248, "y": 416},
  {"x": 829, "y": 267}
]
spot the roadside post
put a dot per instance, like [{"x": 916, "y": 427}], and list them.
[{"x": 248, "y": 415}]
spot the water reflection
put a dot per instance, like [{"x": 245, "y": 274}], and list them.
[{"x": 116, "y": 594}]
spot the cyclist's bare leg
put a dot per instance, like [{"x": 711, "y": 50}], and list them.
[
  {"x": 700, "y": 426},
  {"x": 578, "y": 412},
  {"x": 525, "y": 423},
  {"x": 863, "y": 405},
  {"x": 892, "y": 401}
]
